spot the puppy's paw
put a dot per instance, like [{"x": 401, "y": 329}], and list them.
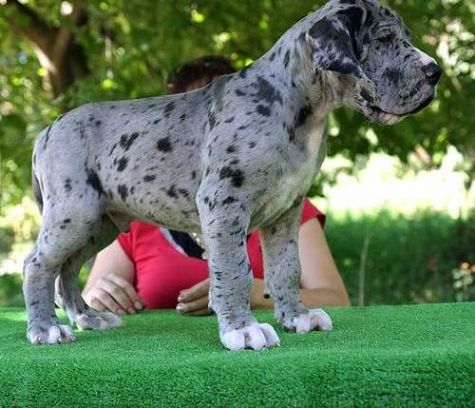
[
  {"x": 255, "y": 336},
  {"x": 97, "y": 320},
  {"x": 49, "y": 333},
  {"x": 314, "y": 319}
]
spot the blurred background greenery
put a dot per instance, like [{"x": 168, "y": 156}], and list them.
[{"x": 400, "y": 200}]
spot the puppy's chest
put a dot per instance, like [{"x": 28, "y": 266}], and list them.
[
  {"x": 297, "y": 177},
  {"x": 291, "y": 185}
]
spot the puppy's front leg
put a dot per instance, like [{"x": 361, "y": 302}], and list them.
[
  {"x": 282, "y": 274},
  {"x": 225, "y": 221}
]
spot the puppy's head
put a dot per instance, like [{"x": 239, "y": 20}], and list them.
[{"x": 368, "y": 47}]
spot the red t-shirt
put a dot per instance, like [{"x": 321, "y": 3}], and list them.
[{"x": 161, "y": 271}]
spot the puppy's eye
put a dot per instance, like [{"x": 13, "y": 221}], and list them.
[{"x": 385, "y": 38}]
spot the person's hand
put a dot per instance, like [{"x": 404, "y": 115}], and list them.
[
  {"x": 258, "y": 301},
  {"x": 194, "y": 301},
  {"x": 115, "y": 294}
]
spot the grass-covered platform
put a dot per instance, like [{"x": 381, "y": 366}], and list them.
[{"x": 377, "y": 356}]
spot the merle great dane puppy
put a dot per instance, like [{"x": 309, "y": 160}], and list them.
[{"x": 221, "y": 161}]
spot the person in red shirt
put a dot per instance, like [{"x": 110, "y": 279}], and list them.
[{"x": 155, "y": 268}]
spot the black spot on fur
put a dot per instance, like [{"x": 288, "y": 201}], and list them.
[
  {"x": 236, "y": 176},
  {"x": 252, "y": 145},
  {"x": 393, "y": 75},
  {"x": 169, "y": 108},
  {"x": 291, "y": 132},
  {"x": 231, "y": 149},
  {"x": 94, "y": 181},
  {"x": 123, "y": 191},
  {"x": 46, "y": 139},
  {"x": 302, "y": 116},
  {"x": 211, "y": 120},
  {"x": 229, "y": 200},
  {"x": 171, "y": 191},
  {"x": 229, "y": 120},
  {"x": 149, "y": 177},
  {"x": 263, "y": 110},
  {"x": 184, "y": 192},
  {"x": 266, "y": 92},
  {"x": 127, "y": 141},
  {"x": 286, "y": 58},
  {"x": 98, "y": 123},
  {"x": 67, "y": 185},
  {"x": 122, "y": 163},
  {"x": 238, "y": 92},
  {"x": 113, "y": 148},
  {"x": 164, "y": 145}
]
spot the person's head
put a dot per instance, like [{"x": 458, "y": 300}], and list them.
[{"x": 198, "y": 73}]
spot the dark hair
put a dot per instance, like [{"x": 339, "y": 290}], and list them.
[{"x": 204, "y": 69}]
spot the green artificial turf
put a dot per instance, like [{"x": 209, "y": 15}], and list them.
[{"x": 383, "y": 356}]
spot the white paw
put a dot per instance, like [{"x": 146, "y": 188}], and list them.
[
  {"x": 97, "y": 320},
  {"x": 42, "y": 333},
  {"x": 314, "y": 319},
  {"x": 255, "y": 336}
]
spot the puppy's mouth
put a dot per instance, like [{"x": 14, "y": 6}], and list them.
[
  {"x": 426, "y": 102},
  {"x": 381, "y": 116}
]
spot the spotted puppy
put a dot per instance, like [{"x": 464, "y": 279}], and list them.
[{"x": 235, "y": 156}]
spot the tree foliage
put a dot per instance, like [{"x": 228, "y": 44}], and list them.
[{"x": 55, "y": 55}]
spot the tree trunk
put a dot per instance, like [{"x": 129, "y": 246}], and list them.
[{"x": 56, "y": 48}]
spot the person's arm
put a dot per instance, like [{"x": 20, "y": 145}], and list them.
[
  {"x": 320, "y": 282},
  {"x": 110, "y": 283}
]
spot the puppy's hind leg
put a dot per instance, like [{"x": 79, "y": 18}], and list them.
[
  {"x": 65, "y": 230},
  {"x": 39, "y": 271},
  {"x": 69, "y": 226},
  {"x": 71, "y": 299}
]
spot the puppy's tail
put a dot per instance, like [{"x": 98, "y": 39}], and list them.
[{"x": 37, "y": 191}]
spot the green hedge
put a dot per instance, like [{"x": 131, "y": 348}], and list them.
[
  {"x": 407, "y": 260},
  {"x": 403, "y": 260}
]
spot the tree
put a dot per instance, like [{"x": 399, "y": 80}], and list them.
[
  {"x": 56, "y": 55},
  {"x": 58, "y": 52}
]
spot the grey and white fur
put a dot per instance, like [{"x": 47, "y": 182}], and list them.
[{"x": 235, "y": 156}]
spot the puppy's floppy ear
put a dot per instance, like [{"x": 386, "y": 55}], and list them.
[{"x": 334, "y": 42}]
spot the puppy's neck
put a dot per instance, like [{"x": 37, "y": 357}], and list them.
[
  {"x": 290, "y": 66},
  {"x": 307, "y": 96}
]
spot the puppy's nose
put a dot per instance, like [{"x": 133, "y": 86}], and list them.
[{"x": 432, "y": 72}]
